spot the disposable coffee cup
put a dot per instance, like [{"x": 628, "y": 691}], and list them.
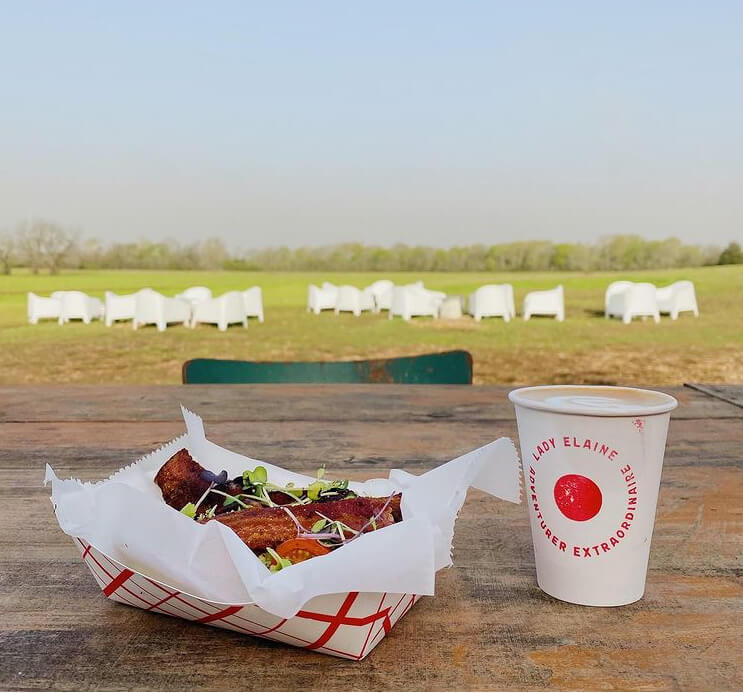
[{"x": 592, "y": 460}]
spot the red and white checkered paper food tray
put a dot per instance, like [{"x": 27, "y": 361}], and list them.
[
  {"x": 346, "y": 625},
  {"x": 342, "y": 604}
]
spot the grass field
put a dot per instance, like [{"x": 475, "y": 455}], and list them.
[{"x": 583, "y": 349}]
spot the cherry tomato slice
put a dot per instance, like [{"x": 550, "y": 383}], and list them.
[{"x": 299, "y": 549}]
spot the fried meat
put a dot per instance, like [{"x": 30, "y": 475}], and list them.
[
  {"x": 181, "y": 482},
  {"x": 260, "y": 528}
]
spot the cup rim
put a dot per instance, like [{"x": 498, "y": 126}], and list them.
[{"x": 665, "y": 402}]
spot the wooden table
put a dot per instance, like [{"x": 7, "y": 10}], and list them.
[{"x": 489, "y": 626}]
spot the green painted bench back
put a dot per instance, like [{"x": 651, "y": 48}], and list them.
[{"x": 448, "y": 368}]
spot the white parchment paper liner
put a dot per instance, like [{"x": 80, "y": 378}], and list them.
[{"x": 126, "y": 518}]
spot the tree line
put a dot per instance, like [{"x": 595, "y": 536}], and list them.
[
  {"x": 622, "y": 252},
  {"x": 50, "y": 246}
]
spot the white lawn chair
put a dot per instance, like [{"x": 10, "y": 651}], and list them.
[
  {"x": 413, "y": 300},
  {"x": 382, "y": 292},
  {"x": 154, "y": 308},
  {"x": 511, "y": 302},
  {"x": 550, "y": 302},
  {"x": 677, "y": 298},
  {"x": 225, "y": 310},
  {"x": 611, "y": 296},
  {"x": 437, "y": 296},
  {"x": 195, "y": 295},
  {"x": 77, "y": 305},
  {"x": 635, "y": 300},
  {"x": 41, "y": 307},
  {"x": 253, "y": 302},
  {"x": 384, "y": 298},
  {"x": 321, "y": 298},
  {"x": 119, "y": 307},
  {"x": 353, "y": 300},
  {"x": 492, "y": 300}
]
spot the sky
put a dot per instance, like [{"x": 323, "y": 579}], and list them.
[{"x": 311, "y": 123}]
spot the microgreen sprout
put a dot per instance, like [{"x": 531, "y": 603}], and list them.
[
  {"x": 331, "y": 533},
  {"x": 230, "y": 499},
  {"x": 209, "y": 514},
  {"x": 189, "y": 509},
  {"x": 257, "y": 476},
  {"x": 256, "y": 487},
  {"x": 278, "y": 562},
  {"x": 338, "y": 527},
  {"x": 313, "y": 490}
]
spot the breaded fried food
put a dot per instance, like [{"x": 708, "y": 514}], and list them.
[
  {"x": 261, "y": 528},
  {"x": 179, "y": 480}
]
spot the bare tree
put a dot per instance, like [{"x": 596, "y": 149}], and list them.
[
  {"x": 58, "y": 243},
  {"x": 212, "y": 253},
  {"x": 7, "y": 251},
  {"x": 45, "y": 244},
  {"x": 30, "y": 245}
]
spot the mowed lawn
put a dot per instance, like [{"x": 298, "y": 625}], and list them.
[{"x": 585, "y": 348}]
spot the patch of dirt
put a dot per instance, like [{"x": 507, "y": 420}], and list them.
[{"x": 610, "y": 366}]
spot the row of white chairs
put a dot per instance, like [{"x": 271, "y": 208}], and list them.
[
  {"x": 413, "y": 300},
  {"x": 148, "y": 307},
  {"x": 348, "y": 298},
  {"x": 627, "y": 300},
  {"x": 496, "y": 300},
  {"x": 623, "y": 299},
  {"x": 407, "y": 301},
  {"x": 491, "y": 300},
  {"x": 64, "y": 306}
]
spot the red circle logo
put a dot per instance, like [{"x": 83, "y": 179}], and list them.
[{"x": 577, "y": 497}]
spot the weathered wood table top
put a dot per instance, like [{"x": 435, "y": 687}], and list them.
[{"x": 489, "y": 626}]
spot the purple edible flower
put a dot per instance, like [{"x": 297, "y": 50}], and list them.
[{"x": 213, "y": 478}]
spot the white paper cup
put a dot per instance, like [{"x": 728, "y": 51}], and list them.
[{"x": 592, "y": 460}]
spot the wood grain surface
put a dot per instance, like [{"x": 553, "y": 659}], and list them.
[
  {"x": 488, "y": 627},
  {"x": 727, "y": 393}
]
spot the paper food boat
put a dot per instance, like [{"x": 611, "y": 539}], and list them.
[
  {"x": 342, "y": 604},
  {"x": 346, "y": 625}
]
